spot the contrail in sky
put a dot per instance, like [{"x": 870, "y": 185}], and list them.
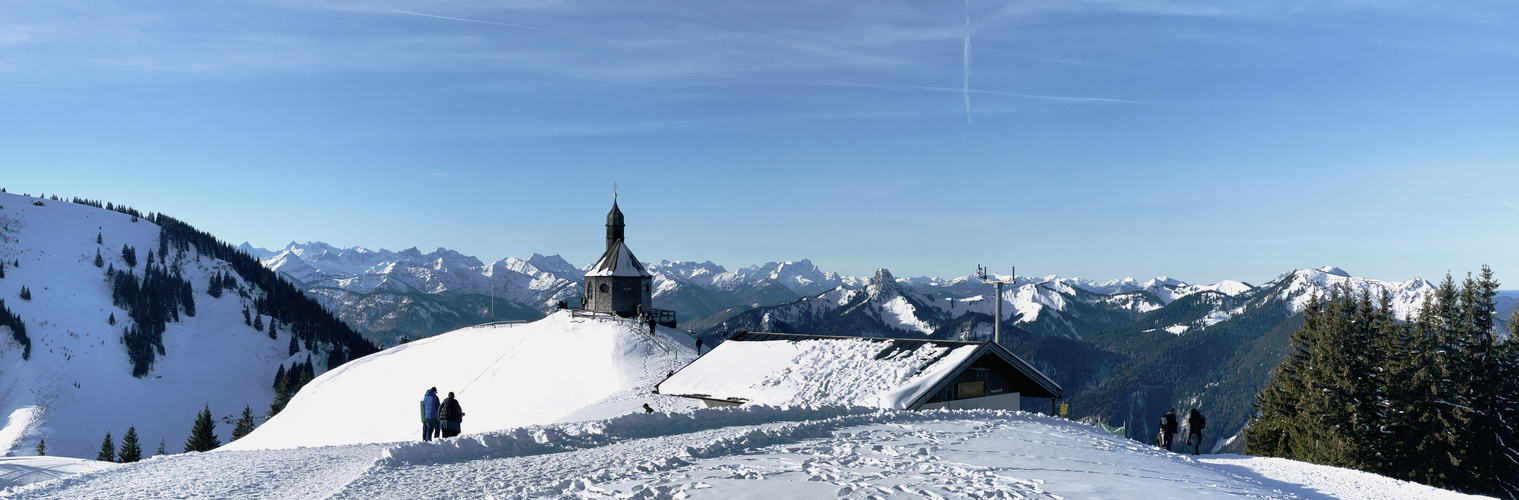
[
  {"x": 519, "y": 26},
  {"x": 965, "y": 85},
  {"x": 964, "y": 90}
]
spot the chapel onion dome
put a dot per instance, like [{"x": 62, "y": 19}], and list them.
[{"x": 614, "y": 218}]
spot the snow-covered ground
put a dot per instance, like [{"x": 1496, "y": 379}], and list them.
[
  {"x": 560, "y": 368},
  {"x": 18, "y": 471},
  {"x": 745, "y": 452}
]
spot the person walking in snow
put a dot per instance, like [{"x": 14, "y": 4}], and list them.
[
  {"x": 430, "y": 414},
  {"x": 451, "y": 415},
  {"x": 698, "y": 346},
  {"x": 1195, "y": 424},
  {"x": 1168, "y": 425}
]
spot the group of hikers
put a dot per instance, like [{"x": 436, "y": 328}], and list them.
[
  {"x": 1168, "y": 427},
  {"x": 440, "y": 419}
]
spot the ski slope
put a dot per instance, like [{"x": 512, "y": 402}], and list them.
[
  {"x": 560, "y": 368},
  {"x": 743, "y": 452}
]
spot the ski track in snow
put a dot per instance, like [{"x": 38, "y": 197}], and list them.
[{"x": 722, "y": 453}]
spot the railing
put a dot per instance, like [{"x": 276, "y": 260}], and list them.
[
  {"x": 508, "y": 322},
  {"x": 664, "y": 317}
]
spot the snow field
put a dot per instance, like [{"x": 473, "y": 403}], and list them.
[{"x": 734, "y": 453}]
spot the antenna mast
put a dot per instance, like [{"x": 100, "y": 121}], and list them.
[{"x": 1012, "y": 279}]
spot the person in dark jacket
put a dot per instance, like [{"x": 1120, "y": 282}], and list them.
[
  {"x": 430, "y": 414},
  {"x": 451, "y": 415},
  {"x": 1168, "y": 425},
  {"x": 1195, "y": 424}
]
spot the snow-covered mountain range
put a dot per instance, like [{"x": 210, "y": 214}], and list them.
[{"x": 389, "y": 294}]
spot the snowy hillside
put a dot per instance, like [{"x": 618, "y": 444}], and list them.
[
  {"x": 560, "y": 368},
  {"x": 77, "y": 384},
  {"x": 1298, "y": 286},
  {"x": 746, "y": 452}
]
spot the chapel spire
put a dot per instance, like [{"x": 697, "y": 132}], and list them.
[{"x": 614, "y": 224}]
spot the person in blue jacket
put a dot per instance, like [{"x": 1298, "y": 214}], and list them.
[{"x": 430, "y": 414}]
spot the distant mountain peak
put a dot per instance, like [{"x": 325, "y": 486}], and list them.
[
  {"x": 1334, "y": 271},
  {"x": 882, "y": 282}
]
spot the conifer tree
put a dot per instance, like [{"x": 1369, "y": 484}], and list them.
[
  {"x": 98, "y": 241},
  {"x": 1433, "y": 398},
  {"x": 160, "y": 448},
  {"x": 99, "y": 260},
  {"x": 1486, "y": 438},
  {"x": 274, "y": 326},
  {"x": 203, "y": 433},
  {"x": 283, "y": 383},
  {"x": 129, "y": 255},
  {"x": 246, "y": 319},
  {"x": 335, "y": 357},
  {"x": 258, "y": 322},
  {"x": 294, "y": 346},
  {"x": 244, "y": 424},
  {"x": 302, "y": 378},
  {"x": 131, "y": 451},
  {"x": 2, "y": 270},
  {"x": 281, "y": 398},
  {"x": 1440, "y": 421},
  {"x": 107, "y": 450},
  {"x": 187, "y": 298},
  {"x": 41, "y": 448}
]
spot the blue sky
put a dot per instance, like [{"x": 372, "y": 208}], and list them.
[{"x": 1100, "y": 139}]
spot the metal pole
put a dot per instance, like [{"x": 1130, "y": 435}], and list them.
[{"x": 997, "y": 320}]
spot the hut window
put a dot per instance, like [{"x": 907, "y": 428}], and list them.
[{"x": 605, "y": 288}]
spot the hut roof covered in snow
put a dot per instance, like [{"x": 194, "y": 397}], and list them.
[
  {"x": 792, "y": 369},
  {"x": 618, "y": 261}
]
